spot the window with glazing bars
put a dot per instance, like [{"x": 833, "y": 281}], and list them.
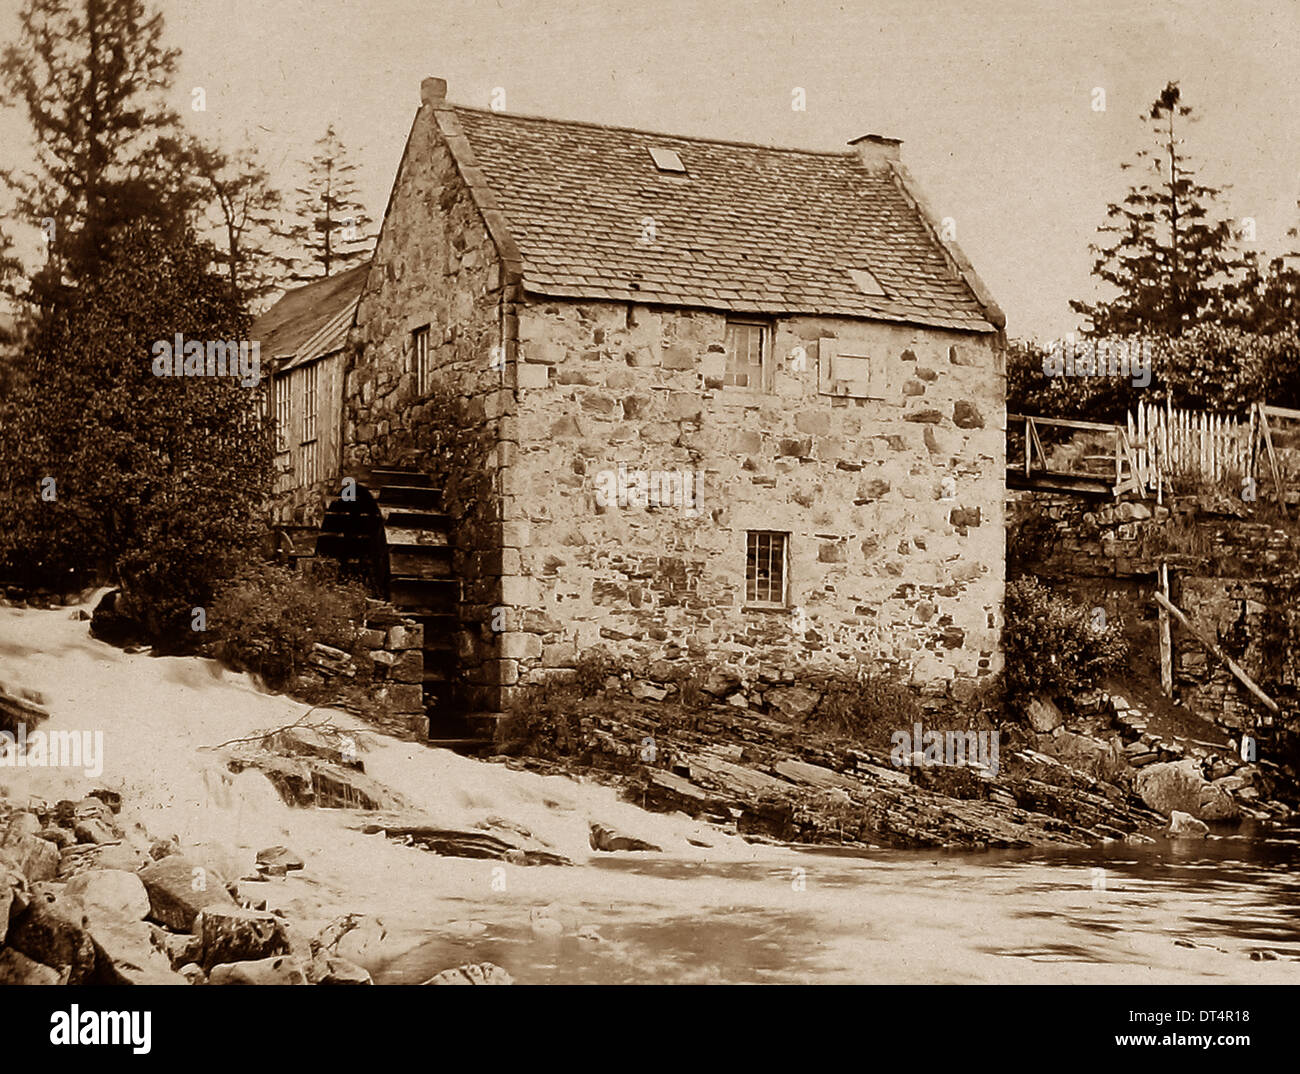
[
  {"x": 746, "y": 342},
  {"x": 765, "y": 568},
  {"x": 420, "y": 358},
  {"x": 310, "y": 401},
  {"x": 280, "y": 389}
]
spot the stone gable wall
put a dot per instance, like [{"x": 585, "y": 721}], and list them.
[
  {"x": 893, "y": 502},
  {"x": 435, "y": 264}
]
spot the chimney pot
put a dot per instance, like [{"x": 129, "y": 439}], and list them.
[
  {"x": 433, "y": 90},
  {"x": 875, "y": 150}
]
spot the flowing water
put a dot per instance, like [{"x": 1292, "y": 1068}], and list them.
[
  {"x": 709, "y": 908},
  {"x": 1166, "y": 912}
]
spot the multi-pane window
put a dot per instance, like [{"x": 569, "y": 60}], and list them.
[
  {"x": 746, "y": 342},
  {"x": 765, "y": 558},
  {"x": 310, "y": 401},
  {"x": 420, "y": 359},
  {"x": 280, "y": 389}
]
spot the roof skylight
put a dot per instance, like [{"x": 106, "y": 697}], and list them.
[
  {"x": 867, "y": 283},
  {"x": 667, "y": 160}
]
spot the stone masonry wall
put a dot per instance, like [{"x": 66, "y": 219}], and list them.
[
  {"x": 1236, "y": 577},
  {"x": 892, "y": 501},
  {"x": 435, "y": 264},
  {"x": 393, "y": 649}
]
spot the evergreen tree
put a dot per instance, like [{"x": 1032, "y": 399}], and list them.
[
  {"x": 1171, "y": 257},
  {"x": 92, "y": 78},
  {"x": 326, "y": 232}
]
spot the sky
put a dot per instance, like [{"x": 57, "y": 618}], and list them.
[{"x": 995, "y": 100}]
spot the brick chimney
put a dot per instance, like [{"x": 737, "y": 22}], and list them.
[
  {"x": 875, "y": 150},
  {"x": 433, "y": 90}
]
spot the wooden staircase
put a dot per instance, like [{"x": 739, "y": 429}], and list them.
[{"x": 401, "y": 530}]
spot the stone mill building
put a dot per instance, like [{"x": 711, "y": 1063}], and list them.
[{"x": 701, "y": 403}]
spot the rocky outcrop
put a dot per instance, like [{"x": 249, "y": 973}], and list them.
[
  {"x": 482, "y": 973},
  {"x": 1179, "y": 786},
  {"x": 180, "y": 889}
]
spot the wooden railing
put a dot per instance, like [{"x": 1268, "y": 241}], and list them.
[{"x": 1160, "y": 447}]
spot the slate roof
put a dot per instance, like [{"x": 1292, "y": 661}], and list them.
[
  {"x": 748, "y": 229},
  {"x": 311, "y": 320}
]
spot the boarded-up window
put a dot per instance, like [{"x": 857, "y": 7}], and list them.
[
  {"x": 765, "y": 567},
  {"x": 843, "y": 372},
  {"x": 746, "y": 346}
]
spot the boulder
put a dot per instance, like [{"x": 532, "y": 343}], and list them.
[
  {"x": 13, "y": 897},
  {"x": 647, "y": 691},
  {"x": 792, "y": 702},
  {"x": 482, "y": 973},
  {"x": 179, "y": 889},
  {"x": 46, "y": 934},
  {"x": 93, "y": 830},
  {"x": 1184, "y": 825},
  {"x": 121, "y": 856},
  {"x": 281, "y": 970},
  {"x": 1044, "y": 716},
  {"x": 1100, "y": 759},
  {"x": 109, "y": 894},
  {"x": 125, "y": 954},
  {"x": 1179, "y": 785},
  {"x": 233, "y": 934},
  {"x": 281, "y": 856},
  {"x": 34, "y": 857},
  {"x": 17, "y": 969},
  {"x": 607, "y": 839},
  {"x": 180, "y": 947},
  {"x": 336, "y": 971},
  {"x": 21, "y": 824}
]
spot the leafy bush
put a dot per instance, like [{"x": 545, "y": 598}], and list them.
[
  {"x": 267, "y": 618},
  {"x": 592, "y": 669},
  {"x": 1054, "y": 645},
  {"x": 867, "y": 708}
]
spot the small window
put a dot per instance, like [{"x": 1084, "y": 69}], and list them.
[
  {"x": 667, "y": 160},
  {"x": 765, "y": 572},
  {"x": 746, "y": 354},
  {"x": 420, "y": 359}
]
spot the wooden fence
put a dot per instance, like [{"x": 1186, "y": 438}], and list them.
[{"x": 1171, "y": 444}]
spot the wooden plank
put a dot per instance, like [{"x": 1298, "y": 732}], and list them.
[
  {"x": 1281, "y": 412},
  {"x": 1213, "y": 647},
  {"x": 1166, "y": 636},
  {"x": 1066, "y": 423},
  {"x": 1275, "y": 469}
]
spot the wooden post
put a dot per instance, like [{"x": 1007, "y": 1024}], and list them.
[
  {"x": 1274, "y": 467},
  {"x": 1210, "y": 645},
  {"x": 1166, "y": 635}
]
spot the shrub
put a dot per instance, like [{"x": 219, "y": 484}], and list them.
[
  {"x": 1054, "y": 645},
  {"x": 867, "y": 708},
  {"x": 267, "y": 618},
  {"x": 592, "y": 669}
]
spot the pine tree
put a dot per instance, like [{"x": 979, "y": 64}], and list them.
[
  {"x": 1172, "y": 258},
  {"x": 326, "y": 232}
]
